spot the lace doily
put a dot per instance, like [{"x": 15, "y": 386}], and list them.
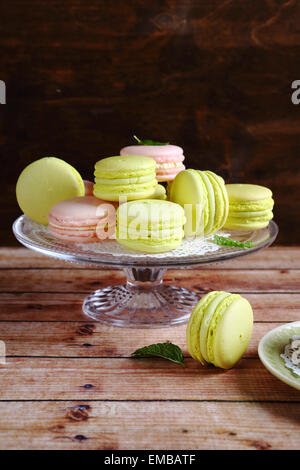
[
  {"x": 286, "y": 356},
  {"x": 198, "y": 246}
]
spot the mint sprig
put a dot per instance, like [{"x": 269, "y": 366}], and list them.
[
  {"x": 149, "y": 142},
  {"x": 169, "y": 351},
  {"x": 230, "y": 242}
]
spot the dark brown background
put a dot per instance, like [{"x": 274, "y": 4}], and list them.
[{"x": 212, "y": 76}]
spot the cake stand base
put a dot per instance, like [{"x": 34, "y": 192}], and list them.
[{"x": 143, "y": 302}]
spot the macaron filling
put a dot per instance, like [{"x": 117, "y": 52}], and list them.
[
  {"x": 221, "y": 200},
  {"x": 194, "y": 325},
  {"x": 205, "y": 330},
  {"x": 224, "y": 303},
  {"x": 162, "y": 166},
  {"x": 210, "y": 203}
]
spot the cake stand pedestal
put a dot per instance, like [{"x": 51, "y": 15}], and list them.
[{"x": 144, "y": 301}]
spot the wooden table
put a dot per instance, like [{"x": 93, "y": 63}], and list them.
[{"x": 69, "y": 383}]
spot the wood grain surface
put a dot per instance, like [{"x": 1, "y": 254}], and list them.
[
  {"x": 70, "y": 383},
  {"x": 211, "y": 76}
]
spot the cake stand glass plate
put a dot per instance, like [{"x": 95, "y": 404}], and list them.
[{"x": 144, "y": 301}]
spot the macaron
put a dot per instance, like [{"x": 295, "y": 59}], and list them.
[
  {"x": 168, "y": 158},
  {"x": 219, "y": 329},
  {"x": 204, "y": 198},
  {"x": 168, "y": 189},
  {"x": 159, "y": 192},
  {"x": 88, "y": 188},
  {"x": 125, "y": 177},
  {"x": 150, "y": 225},
  {"x": 82, "y": 219},
  {"x": 250, "y": 207},
  {"x": 45, "y": 182}
]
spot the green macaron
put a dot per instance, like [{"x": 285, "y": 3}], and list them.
[
  {"x": 150, "y": 225},
  {"x": 219, "y": 329},
  {"x": 127, "y": 176},
  {"x": 45, "y": 182},
  {"x": 250, "y": 207},
  {"x": 204, "y": 198}
]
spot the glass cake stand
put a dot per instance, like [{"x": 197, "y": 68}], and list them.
[{"x": 144, "y": 301}]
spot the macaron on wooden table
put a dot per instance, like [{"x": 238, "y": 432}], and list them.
[{"x": 69, "y": 382}]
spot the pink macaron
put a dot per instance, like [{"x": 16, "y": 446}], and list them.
[
  {"x": 83, "y": 219},
  {"x": 168, "y": 158},
  {"x": 88, "y": 187}
]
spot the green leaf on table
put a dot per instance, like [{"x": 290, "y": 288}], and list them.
[
  {"x": 149, "y": 142},
  {"x": 165, "y": 350},
  {"x": 230, "y": 242}
]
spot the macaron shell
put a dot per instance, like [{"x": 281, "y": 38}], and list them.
[
  {"x": 209, "y": 313},
  {"x": 125, "y": 166},
  {"x": 78, "y": 212},
  {"x": 151, "y": 246},
  {"x": 74, "y": 236},
  {"x": 194, "y": 325},
  {"x": 211, "y": 209},
  {"x": 232, "y": 333},
  {"x": 130, "y": 192},
  {"x": 245, "y": 225},
  {"x": 252, "y": 206},
  {"x": 45, "y": 182},
  {"x": 221, "y": 200},
  {"x": 252, "y": 216},
  {"x": 159, "y": 193},
  {"x": 247, "y": 192},
  {"x": 160, "y": 153}
]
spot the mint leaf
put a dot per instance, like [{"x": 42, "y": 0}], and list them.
[
  {"x": 149, "y": 142},
  {"x": 165, "y": 350},
  {"x": 229, "y": 242}
]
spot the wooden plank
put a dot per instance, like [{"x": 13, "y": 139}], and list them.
[
  {"x": 68, "y": 307},
  {"x": 72, "y": 339},
  {"x": 138, "y": 379},
  {"x": 278, "y": 257},
  {"x": 70, "y": 280},
  {"x": 127, "y": 425}
]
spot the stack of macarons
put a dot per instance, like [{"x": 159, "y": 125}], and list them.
[{"x": 50, "y": 190}]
